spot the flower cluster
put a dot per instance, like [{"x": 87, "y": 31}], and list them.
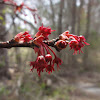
[
  {"x": 23, "y": 37},
  {"x": 76, "y": 42},
  {"x": 20, "y": 8},
  {"x": 44, "y": 31},
  {"x": 62, "y": 42},
  {"x": 44, "y": 61}
]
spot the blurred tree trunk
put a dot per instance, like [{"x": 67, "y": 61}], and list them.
[
  {"x": 85, "y": 57},
  {"x": 4, "y": 63},
  {"x": 59, "y": 29},
  {"x": 17, "y": 50},
  {"x": 53, "y": 13},
  {"x": 68, "y": 8},
  {"x": 72, "y": 58},
  {"x": 79, "y": 17},
  {"x": 73, "y": 16},
  {"x": 18, "y": 57},
  {"x": 60, "y": 16}
]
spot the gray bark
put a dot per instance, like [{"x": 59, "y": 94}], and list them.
[
  {"x": 85, "y": 57},
  {"x": 73, "y": 16},
  {"x": 60, "y": 16},
  {"x": 72, "y": 58},
  {"x": 79, "y": 17},
  {"x": 4, "y": 60},
  {"x": 53, "y": 13}
]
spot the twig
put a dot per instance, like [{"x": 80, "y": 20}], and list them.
[
  {"x": 12, "y": 43},
  {"x": 9, "y": 4},
  {"x": 27, "y": 22}
]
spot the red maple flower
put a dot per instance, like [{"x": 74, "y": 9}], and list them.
[
  {"x": 82, "y": 39},
  {"x": 61, "y": 44},
  {"x": 39, "y": 64},
  {"x": 48, "y": 58},
  {"x": 38, "y": 40},
  {"x": 45, "y": 61},
  {"x": 50, "y": 68},
  {"x": 45, "y": 31},
  {"x": 58, "y": 61},
  {"x": 23, "y": 37},
  {"x": 5, "y": 0},
  {"x": 74, "y": 44},
  {"x": 19, "y": 8},
  {"x": 77, "y": 43},
  {"x": 66, "y": 35}
]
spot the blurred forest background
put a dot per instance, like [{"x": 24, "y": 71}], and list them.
[{"x": 79, "y": 77}]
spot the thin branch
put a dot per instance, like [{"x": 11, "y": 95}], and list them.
[
  {"x": 9, "y": 4},
  {"x": 2, "y": 2},
  {"x": 27, "y": 22},
  {"x": 12, "y": 43},
  {"x": 9, "y": 44},
  {"x": 53, "y": 12}
]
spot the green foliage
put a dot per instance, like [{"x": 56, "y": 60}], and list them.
[
  {"x": 24, "y": 29},
  {"x": 25, "y": 88},
  {"x": 4, "y": 91},
  {"x": 2, "y": 64},
  {"x": 95, "y": 41},
  {"x": 56, "y": 92},
  {"x": 4, "y": 22},
  {"x": 62, "y": 93},
  {"x": 4, "y": 11},
  {"x": 43, "y": 85},
  {"x": 1, "y": 18}
]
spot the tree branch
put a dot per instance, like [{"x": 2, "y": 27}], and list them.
[
  {"x": 27, "y": 22},
  {"x": 9, "y": 4},
  {"x": 12, "y": 43}
]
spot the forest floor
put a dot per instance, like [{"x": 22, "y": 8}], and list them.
[
  {"x": 51, "y": 87},
  {"x": 87, "y": 87}
]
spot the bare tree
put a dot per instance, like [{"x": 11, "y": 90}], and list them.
[
  {"x": 73, "y": 59},
  {"x": 79, "y": 17},
  {"x": 60, "y": 16},
  {"x": 4, "y": 63},
  {"x": 53, "y": 13},
  {"x": 73, "y": 16},
  {"x": 85, "y": 57}
]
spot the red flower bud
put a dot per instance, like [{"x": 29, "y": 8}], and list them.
[
  {"x": 45, "y": 31},
  {"x": 60, "y": 44},
  {"x": 41, "y": 59},
  {"x": 23, "y": 37},
  {"x": 48, "y": 57},
  {"x": 65, "y": 33},
  {"x": 58, "y": 61},
  {"x": 50, "y": 68},
  {"x": 18, "y": 37},
  {"x": 63, "y": 37}
]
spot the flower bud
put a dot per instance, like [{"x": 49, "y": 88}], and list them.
[
  {"x": 65, "y": 33},
  {"x": 48, "y": 57},
  {"x": 73, "y": 43},
  {"x": 18, "y": 37},
  {"x": 63, "y": 37},
  {"x": 41, "y": 59},
  {"x": 60, "y": 44}
]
